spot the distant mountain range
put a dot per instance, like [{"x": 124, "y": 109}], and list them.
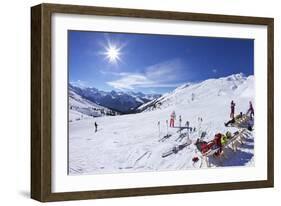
[
  {"x": 116, "y": 103},
  {"x": 121, "y": 102}
]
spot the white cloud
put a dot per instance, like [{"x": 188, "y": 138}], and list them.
[
  {"x": 164, "y": 74},
  {"x": 114, "y": 73},
  {"x": 165, "y": 71},
  {"x": 80, "y": 83},
  {"x": 130, "y": 81}
]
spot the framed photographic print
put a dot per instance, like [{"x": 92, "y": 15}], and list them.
[{"x": 132, "y": 102}]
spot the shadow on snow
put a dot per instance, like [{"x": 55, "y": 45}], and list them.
[{"x": 232, "y": 158}]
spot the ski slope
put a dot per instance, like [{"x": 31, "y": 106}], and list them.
[
  {"x": 80, "y": 107},
  {"x": 130, "y": 143}
]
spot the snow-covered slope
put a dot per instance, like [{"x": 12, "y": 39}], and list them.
[
  {"x": 207, "y": 90},
  {"x": 130, "y": 143},
  {"x": 80, "y": 107}
]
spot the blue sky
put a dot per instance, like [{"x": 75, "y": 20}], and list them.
[{"x": 153, "y": 63}]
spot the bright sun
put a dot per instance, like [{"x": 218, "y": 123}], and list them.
[{"x": 112, "y": 53}]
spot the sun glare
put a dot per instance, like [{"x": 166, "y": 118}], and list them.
[{"x": 113, "y": 54}]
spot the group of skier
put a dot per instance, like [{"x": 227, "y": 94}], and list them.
[
  {"x": 250, "y": 111},
  {"x": 218, "y": 142}
]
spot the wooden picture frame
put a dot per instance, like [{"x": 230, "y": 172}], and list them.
[{"x": 41, "y": 116}]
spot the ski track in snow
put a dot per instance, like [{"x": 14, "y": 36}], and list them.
[{"x": 130, "y": 143}]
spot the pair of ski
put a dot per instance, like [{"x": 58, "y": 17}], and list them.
[
  {"x": 167, "y": 136},
  {"x": 163, "y": 139},
  {"x": 176, "y": 149},
  {"x": 181, "y": 136},
  {"x": 182, "y": 128}
]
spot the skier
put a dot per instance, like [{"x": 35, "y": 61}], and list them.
[
  {"x": 250, "y": 110},
  {"x": 203, "y": 146},
  {"x": 192, "y": 97},
  {"x": 180, "y": 120},
  {"x": 96, "y": 127},
  {"x": 158, "y": 128},
  {"x": 187, "y": 124},
  {"x": 232, "y": 108},
  {"x": 218, "y": 143},
  {"x": 172, "y": 119},
  {"x": 200, "y": 120},
  {"x": 232, "y": 121},
  {"x": 226, "y": 137}
]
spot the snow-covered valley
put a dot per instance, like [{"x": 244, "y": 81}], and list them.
[{"x": 130, "y": 143}]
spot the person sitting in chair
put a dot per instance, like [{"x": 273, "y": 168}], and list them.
[{"x": 232, "y": 121}]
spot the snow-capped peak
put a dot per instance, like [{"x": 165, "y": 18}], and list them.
[
  {"x": 124, "y": 102},
  {"x": 210, "y": 88}
]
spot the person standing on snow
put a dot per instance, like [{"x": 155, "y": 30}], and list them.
[
  {"x": 187, "y": 124},
  {"x": 180, "y": 120},
  {"x": 232, "y": 108},
  {"x": 250, "y": 110},
  {"x": 192, "y": 97},
  {"x": 96, "y": 127},
  {"x": 172, "y": 119},
  {"x": 158, "y": 128}
]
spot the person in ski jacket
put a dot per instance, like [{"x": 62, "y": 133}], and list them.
[
  {"x": 218, "y": 143},
  {"x": 250, "y": 110},
  {"x": 217, "y": 139},
  {"x": 180, "y": 120},
  {"x": 172, "y": 119},
  {"x": 204, "y": 146},
  {"x": 228, "y": 135},
  {"x": 232, "y": 121},
  {"x": 187, "y": 124},
  {"x": 96, "y": 127},
  {"x": 232, "y": 108},
  {"x": 225, "y": 138}
]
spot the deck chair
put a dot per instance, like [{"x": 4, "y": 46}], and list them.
[
  {"x": 236, "y": 140},
  {"x": 241, "y": 122}
]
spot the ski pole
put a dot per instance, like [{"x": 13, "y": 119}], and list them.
[
  {"x": 159, "y": 128},
  {"x": 167, "y": 126}
]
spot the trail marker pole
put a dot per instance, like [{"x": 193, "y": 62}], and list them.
[{"x": 200, "y": 120}]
